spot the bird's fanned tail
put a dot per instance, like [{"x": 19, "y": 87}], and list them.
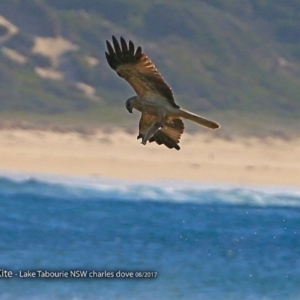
[{"x": 197, "y": 119}]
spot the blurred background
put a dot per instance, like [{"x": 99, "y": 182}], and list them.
[
  {"x": 236, "y": 61},
  {"x": 199, "y": 217}
]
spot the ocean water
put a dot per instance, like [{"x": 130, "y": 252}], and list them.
[{"x": 107, "y": 239}]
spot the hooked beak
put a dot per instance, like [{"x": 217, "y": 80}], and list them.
[{"x": 129, "y": 109}]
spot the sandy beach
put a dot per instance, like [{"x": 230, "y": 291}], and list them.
[{"x": 119, "y": 155}]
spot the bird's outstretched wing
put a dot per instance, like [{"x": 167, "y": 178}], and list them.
[
  {"x": 136, "y": 67},
  {"x": 169, "y": 134}
]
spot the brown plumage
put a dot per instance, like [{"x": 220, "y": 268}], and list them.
[
  {"x": 169, "y": 134},
  {"x": 161, "y": 116}
]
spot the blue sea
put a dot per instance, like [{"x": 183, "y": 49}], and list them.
[{"x": 83, "y": 238}]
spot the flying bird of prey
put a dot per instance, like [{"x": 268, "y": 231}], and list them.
[{"x": 161, "y": 119}]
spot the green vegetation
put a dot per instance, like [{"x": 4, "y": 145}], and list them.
[{"x": 224, "y": 57}]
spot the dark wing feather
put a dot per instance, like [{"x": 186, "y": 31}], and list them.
[
  {"x": 137, "y": 69},
  {"x": 169, "y": 135}
]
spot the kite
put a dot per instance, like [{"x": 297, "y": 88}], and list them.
[{"x": 161, "y": 119}]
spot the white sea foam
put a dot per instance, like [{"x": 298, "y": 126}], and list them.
[{"x": 166, "y": 190}]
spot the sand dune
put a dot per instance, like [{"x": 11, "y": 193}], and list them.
[
  {"x": 120, "y": 155},
  {"x": 53, "y": 47}
]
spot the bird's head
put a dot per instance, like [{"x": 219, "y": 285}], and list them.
[
  {"x": 129, "y": 104},
  {"x": 133, "y": 102}
]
